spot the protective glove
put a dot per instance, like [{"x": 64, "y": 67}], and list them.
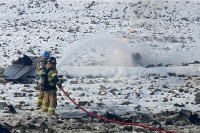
[{"x": 59, "y": 86}]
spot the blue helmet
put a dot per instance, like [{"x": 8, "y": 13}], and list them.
[{"x": 46, "y": 55}]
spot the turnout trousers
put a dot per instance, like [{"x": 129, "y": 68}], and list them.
[
  {"x": 40, "y": 98},
  {"x": 49, "y": 101}
]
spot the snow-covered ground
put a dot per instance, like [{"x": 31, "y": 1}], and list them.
[{"x": 93, "y": 42}]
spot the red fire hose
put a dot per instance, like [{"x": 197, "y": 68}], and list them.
[{"x": 124, "y": 123}]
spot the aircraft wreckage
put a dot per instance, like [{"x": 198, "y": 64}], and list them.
[{"x": 22, "y": 69}]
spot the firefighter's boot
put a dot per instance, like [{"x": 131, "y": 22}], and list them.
[
  {"x": 44, "y": 108},
  {"x": 39, "y": 104},
  {"x": 51, "y": 112}
]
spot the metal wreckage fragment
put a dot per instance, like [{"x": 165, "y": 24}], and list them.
[{"x": 23, "y": 69}]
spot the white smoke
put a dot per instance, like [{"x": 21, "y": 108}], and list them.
[
  {"x": 98, "y": 50},
  {"x": 107, "y": 50}
]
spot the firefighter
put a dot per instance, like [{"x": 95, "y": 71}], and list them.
[
  {"x": 41, "y": 66},
  {"x": 50, "y": 96}
]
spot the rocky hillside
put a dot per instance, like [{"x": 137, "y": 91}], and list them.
[
  {"x": 33, "y": 26},
  {"x": 161, "y": 96}
]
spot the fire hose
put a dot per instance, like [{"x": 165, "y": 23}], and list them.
[{"x": 112, "y": 121}]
